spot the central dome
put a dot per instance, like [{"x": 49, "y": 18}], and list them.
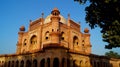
[
  {"x": 55, "y": 12},
  {"x": 62, "y": 19}
]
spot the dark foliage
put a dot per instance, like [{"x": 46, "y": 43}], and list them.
[
  {"x": 112, "y": 54},
  {"x": 106, "y": 15}
]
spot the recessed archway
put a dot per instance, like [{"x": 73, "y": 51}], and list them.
[
  {"x": 12, "y": 64},
  {"x": 56, "y": 62},
  {"x": 68, "y": 62},
  {"x": 22, "y": 64},
  {"x": 75, "y": 40},
  {"x": 63, "y": 62},
  {"x": 34, "y": 63},
  {"x": 47, "y": 35},
  {"x": 28, "y": 63},
  {"x": 9, "y": 64},
  {"x": 62, "y": 36},
  {"x": 48, "y": 62},
  {"x": 17, "y": 63},
  {"x": 33, "y": 40},
  {"x": 42, "y": 63}
]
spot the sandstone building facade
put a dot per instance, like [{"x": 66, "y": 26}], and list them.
[{"x": 55, "y": 42}]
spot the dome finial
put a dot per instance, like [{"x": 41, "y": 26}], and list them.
[
  {"x": 86, "y": 30},
  {"x": 42, "y": 15},
  {"x": 55, "y": 9},
  {"x": 22, "y": 28},
  {"x": 68, "y": 16}
]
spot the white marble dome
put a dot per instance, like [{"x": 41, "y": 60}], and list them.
[{"x": 62, "y": 19}]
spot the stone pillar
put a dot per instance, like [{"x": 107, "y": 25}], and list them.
[
  {"x": 60, "y": 62},
  {"x": 46, "y": 64},
  {"x": 24, "y": 64},
  {"x": 65, "y": 64},
  {"x": 51, "y": 62},
  {"x": 38, "y": 63}
]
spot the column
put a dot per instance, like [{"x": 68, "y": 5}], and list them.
[{"x": 51, "y": 62}]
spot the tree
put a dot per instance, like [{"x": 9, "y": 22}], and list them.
[
  {"x": 106, "y": 15},
  {"x": 112, "y": 54}
]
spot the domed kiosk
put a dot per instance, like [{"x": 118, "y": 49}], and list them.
[{"x": 48, "y": 18}]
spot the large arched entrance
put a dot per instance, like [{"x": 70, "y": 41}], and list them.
[
  {"x": 12, "y": 64},
  {"x": 63, "y": 62},
  {"x": 74, "y": 65},
  {"x": 42, "y": 63},
  {"x": 48, "y": 62},
  {"x": 22, "y": 64},
  {"x": 9, "y": 64},
  {"x": 34, "y": 63},
  {"x": 17, "y": 63},
  {"x": 68, "y": 62},
  {"x": 28, "y": 63},
  {"x": 56, "y": 62}
]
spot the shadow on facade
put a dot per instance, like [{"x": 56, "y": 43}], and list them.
[{"x": 55, "y": 57}]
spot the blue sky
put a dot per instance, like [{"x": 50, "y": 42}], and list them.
[{"x": 15, "y": 13}]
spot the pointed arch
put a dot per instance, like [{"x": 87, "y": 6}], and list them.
[
  {"x": 28, "y": 63},
  {"x": 48, "y": 62},
  {"x": 33, "y": 40},
  {"x": 22, "y": 64},
  {"x": 9, "y": 64},
  {"x": 86, "y": 63},
  {"x": 68, "y": 62},
  {"x": 74, "y": 64},
  {"x": 62, "y": 36},
  {"x": 81, "y": 62},
  {"x": 63, "y": 62},
  {"x": 42, "y": 63},
  {"x": 75, "y": 40},
  {"x": 35, "y": 63},
  {"x": 25, "y": 42},
  {"x": 12, "y": 64},
  {"x": 17, "y": 63},
  {"x": 47, "y": 35},
  {"x": 56, "y": 62}
]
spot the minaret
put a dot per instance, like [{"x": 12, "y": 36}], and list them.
[
  {"x": 87, "y": 43},
  {"x": 20, "y": 36},
  {"x": 55, "y": 19}
]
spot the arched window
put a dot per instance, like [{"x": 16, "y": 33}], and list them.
[
  {"x": 56, "y": 62},
  {"x": 28, "y": 63},
  {"x": 62, "y": 36},
  {"x": 42, "y": 63},
  {"x": 34, "y": 63},
  {"x": 17, "y": 63},
  {"x": 25, "y": 42},
  {"x": 75, "y": 40},
  {"x": 33, "y": 40},
  {"x": 22, "y": 64},
  {"x": 47, "y": 35},
  {"x": 48, "y": 62},
  {"x": 63, "y": 62}
]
